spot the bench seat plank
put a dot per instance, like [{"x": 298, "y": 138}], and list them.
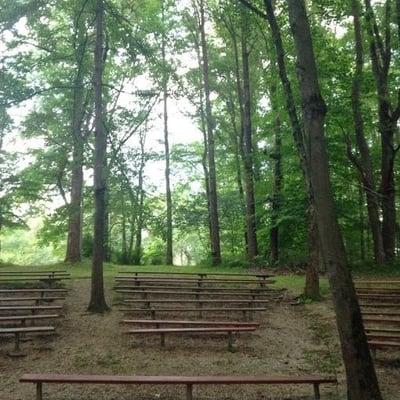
[
  {"x": 34, "y": 290},
  {"x": 376, "y": 343},
  {"x": 201, "y": 274},
  {"x": 181, "y": 293},
  {"x": 255, "y": 290},
  {"x": 175, "y": 380},
  {"x": 31, "y": 298},
  {"x": 186, "y": 322},
  {"x": 28, "y": 317},
  {"x": 16, "y": 308},
  {"x": 196, "y": 309},
  {"x": 227, "y": 301},
  {"x": 28, "y": 329},
  {"x": 192, "y": 330}
]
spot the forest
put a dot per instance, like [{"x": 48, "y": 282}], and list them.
[{"x": 241, "y": 135}]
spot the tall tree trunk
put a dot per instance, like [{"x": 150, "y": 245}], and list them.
[
  {"x": 251, "y": 229},
  {"x": 74, "y": 239},
  {"x": 97, "y": 300},
  {"x": 311, "y": 290},
  {"x": 381, "y": 58},
  {"x": 277, "y": 181},
  {"x": 124, "y": 252},
  {"x": 168, "y": 197},
  {"x": 214, "y": 219},
  {"x": 297, "y": 130},
  {"x": 362, "y": 382},
  {"x": 364, "y": 165},
  {"x": 137, "y": 254},
  {"x": 361, "y": 217}
]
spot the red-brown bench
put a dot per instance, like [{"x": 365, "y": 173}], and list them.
[
  {"x": 152, "y": 310},
  {"x": 229, "y": 331},
  {"x": 18, "y": 331},
  {"x": 188, "y": 381}
]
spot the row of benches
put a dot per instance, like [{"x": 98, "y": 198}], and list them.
[
  {"x": 10, "y": 314},
  {"x": 379, "y": 301}
]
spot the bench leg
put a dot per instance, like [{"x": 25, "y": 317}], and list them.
[
  {"x": 162, "y": 337},
  {"x": 17, "y": 350},
  {"x": 189, "y": 392},
  {"x": 230, "y": 342},
  {"x": 153, "y": 314},
  {"x": 316, "y": 391},
  {"x": 39, "y": 391}
]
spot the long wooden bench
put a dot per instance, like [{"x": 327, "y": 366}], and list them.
[
  {"x": 382, "y": 330},
  {"x": 380, "y": 305},
  {"x": 375, "y": 336},
  {"x": 379, "y": 296},
  {"x": 381, "y": 321},
  {"x": 33, "y": 278},
  {"x": 152, "y": 310},
  {"x": 33, "y": 309},
  {"x": 17, "y": 332},
  {"x": 37, "y": 300},
  {"x": 200, "y": 282},
  {"x": 199, "y": 274},
  {"x": 229, "y": 331},
  {"x": 375, "y": 344},
  {"x": 188, "y": 381},
  {"x": 174, "y": 322},
  {"x": 196, "y": 301},
  {"x": 24, "y": 318},
  {"x": 199, "y": 289},
  {"x": 382, "y": 313},
  {"x": 145, "y": 293},
  {"x": 33, "y": 290}
]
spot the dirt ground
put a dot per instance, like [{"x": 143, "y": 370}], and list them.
[{"x": 291, "y": 340}]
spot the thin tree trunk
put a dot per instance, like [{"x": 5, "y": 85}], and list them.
[
  {"x": 137, "y": 254},
  {"x": 214, "y": 219},
  {"x": 251, "y": 229},
  {"x": 277, "y": 187},
  {"x": 365, "y": 164},
  {"x": 168, "y": 196},
  {"x": 362, "y": 225},
  {"x": 362, "y": 382},
  {"x": 97, "y": 300}
]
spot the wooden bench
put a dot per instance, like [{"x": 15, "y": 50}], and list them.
[
  {"x": 199, "y": 274},
  {"x": 200, "y": 302},
  {"x": 168, "y": 322},
  {"x": 383, "y": 313},
  {"x": 198, "y": 289},
  {"x": 379, "y": 296},
  {"x": 33, "y": 309},
  {"x": 37, "y": 300},
  {"x": 145, "y": 293},
  {"x": 24, "y": 318},
  {"x": 382, "y": 330},
  {"x": 185, "y": 281},
  {"x": 34, "y": 290},
  {"x": 380, "y": 336},
  {"x": 188, "y": 381},
  {"x": 203, "y": 330},
  {"x": 381, "y": 321},
  {"x": 382, "y": 344},
  {"x": 17, "y": 332},
  {"x": 244, "y": 310},
  {"x": 380, "y": 305}
]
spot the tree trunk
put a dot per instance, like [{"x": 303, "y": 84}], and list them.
[
  {"x": 214, "y": 219},
  {"x": 277, "y": 184},
  {"x": 362, "y": 382},
  {"x": 74, "y": 239},
  {"x": 168, "y": 197},
  {"x": 251, "y": 229},
  {"x": 365, "y": 164},
  {"x": 295, "y": 124},
  {"x": 137, "y": 254},
  {"x": 381, "y": 59},
  {"x": 311, "y": 290},
  {"x": 97, "y": 300}
]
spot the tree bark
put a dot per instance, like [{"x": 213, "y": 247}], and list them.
[
  {"x": 362, "y": 382},
  {"x": 365, "y": 163},
  {"x": 214, "y": 218},
  {"x": 251, "y": 229},
  {"x": 97, "y": 300},
  {"x": 168, "y": 196},
  {"x": 137, "y": 253},
  {"x": 381, "y": 55},
  {"x": 74, "y": 238}
]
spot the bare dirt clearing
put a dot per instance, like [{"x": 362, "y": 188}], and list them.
[{"x": 291, "y": 340}]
